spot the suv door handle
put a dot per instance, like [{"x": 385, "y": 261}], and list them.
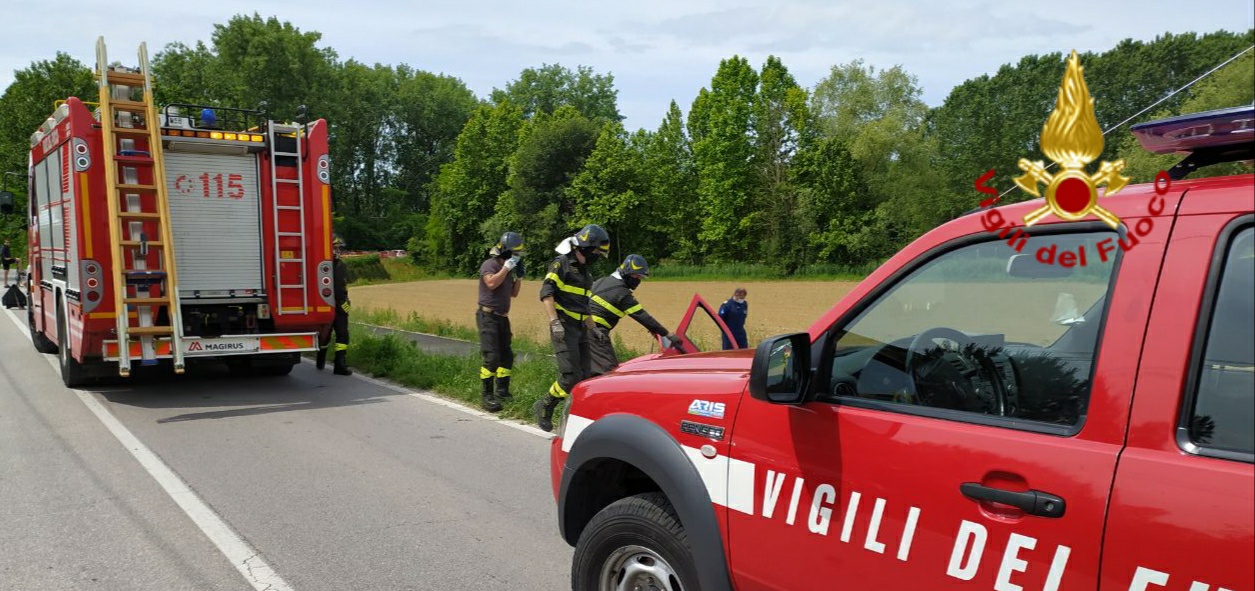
[{"x": 1033, "y": 502}]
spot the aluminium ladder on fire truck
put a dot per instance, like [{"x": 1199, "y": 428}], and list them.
[
  {"x": 136, "y": 207},
  {"x": 293, "y": 264}
]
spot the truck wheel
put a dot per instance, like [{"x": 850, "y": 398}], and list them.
[
  {"x": 72, "y": 372},
  {"x": 42, "y": 343},
  {"x": 635, "y": 543}
]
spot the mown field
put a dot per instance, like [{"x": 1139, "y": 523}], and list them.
[
  {"x": 775, "y": 307},
  {"x": 1023, "y": 311}
]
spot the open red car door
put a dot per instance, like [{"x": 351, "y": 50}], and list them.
[{"x": 703, "y": 335}]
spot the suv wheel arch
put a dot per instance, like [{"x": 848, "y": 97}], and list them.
[{"x": 649, "y": 449}]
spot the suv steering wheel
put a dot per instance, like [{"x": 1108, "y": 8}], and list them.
[{"x": 961, "y": 380}]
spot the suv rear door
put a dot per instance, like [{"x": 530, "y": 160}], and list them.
[{"x": 1183, "y": 503}]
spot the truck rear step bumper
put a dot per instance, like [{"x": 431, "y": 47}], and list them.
[{"x": 253, "y": 344}]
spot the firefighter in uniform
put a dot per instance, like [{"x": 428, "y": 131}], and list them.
[
  {"x": 612, "y": 300},
  {"x": 566, "y": 292},
  {"x": 340, "y": 326},
  {"x": 500, "y": 278}
]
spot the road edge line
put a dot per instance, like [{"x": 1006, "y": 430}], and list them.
[
  {"x": 246, "y": 559},
  {"x": 434, "y": 399}
]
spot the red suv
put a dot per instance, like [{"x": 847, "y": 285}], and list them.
[{"x": 1071, "y": 408}]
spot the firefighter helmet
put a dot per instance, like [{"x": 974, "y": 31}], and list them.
[
  {"x": 337, "y": 241},
  {"x": 509, "y": 244},
  {"x": 634, "y": 264},
  {"x": 593, "y": 240}
]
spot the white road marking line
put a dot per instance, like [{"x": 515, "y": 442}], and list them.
[
  {"x": 242, "y": 556},
  {"x": 453, "y": 405}
]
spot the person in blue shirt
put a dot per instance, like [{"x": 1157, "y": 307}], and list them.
[{"x": 733, "y": 313}]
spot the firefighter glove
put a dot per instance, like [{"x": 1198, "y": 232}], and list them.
[
  {"x": 670, "y": 341},
  {"x": 556, "y": 330},
  {"x": 513, "y": 262},
  {"x": 601, "y": 335}
]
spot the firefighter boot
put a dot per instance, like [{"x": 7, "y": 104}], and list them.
[
  {"x": 543, "y": 410},
  {"x": 487, "y": 399},
  {"x": 342, "y": 366},
  {"x": 503, "y": 389},
  {"x": 320, "y": 360}
]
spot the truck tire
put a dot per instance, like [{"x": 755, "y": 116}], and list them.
[
  {"x": 42, "y": 343},
  {"x": 72, "y": 372},
  {"x": 639, "y": 537}
]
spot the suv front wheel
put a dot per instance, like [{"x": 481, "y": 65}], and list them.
[{"x": 634, "y": 543}]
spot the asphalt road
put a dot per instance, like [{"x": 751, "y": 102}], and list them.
[{"x": 335, "y": 483}]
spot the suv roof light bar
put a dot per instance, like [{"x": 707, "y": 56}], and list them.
[{"x": 1198, "y": 131}]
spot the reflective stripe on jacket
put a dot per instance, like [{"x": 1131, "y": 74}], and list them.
[{"x": 612, "y": 300}]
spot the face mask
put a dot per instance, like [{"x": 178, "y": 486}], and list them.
[
  {"x": 739, "y": 300},
  {"x": 631, "y": 282}
]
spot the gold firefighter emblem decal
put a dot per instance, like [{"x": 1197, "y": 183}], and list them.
[{"x": 1072, "y": 139}]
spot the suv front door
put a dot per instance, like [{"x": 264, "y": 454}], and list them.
[{"x": 969, "y": 384}]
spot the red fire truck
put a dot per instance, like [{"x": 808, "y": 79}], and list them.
[{"x": 159, "y": 236}]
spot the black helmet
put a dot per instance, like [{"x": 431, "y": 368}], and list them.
[
  {"x": 510, "y": 243},
  {"x": 593, "y": 240},
  {"x": 634, "y": 264}
]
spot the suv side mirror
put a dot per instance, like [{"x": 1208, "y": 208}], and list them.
[{"x": 782, "y": 368}]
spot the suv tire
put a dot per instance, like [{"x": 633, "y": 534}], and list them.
[{"x": 638, "y": 536}]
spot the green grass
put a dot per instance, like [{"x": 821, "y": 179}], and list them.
[
  {"x": 453, "y": 376},
  {"x": 371, "y": 269},
  {"x": 414, "y": 323}
]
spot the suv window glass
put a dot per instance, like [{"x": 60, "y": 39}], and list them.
[
  {"x": 982, "y": 329},
  {"x": 1223, "y": 416}
]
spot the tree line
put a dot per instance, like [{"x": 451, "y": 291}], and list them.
[{"x": 758, "y": 169}]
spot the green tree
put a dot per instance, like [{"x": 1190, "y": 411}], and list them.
[
  {"x": 468, "y": 188},
  {"x": 191, "y": 75},
  {"x": 430, "y": 111},
  {"x": 362, "y": 151},
  {"x": 551, "y": 86},
  {"x": 613, "y": 189},
  {"x": 24, "y": 106},
  {"x": 672, "y": 178},
  {"x": 780, "y": 125},
  {"x": 551, "y": 152},
  {"x": 880, "y": 118},
  {"x": 272, "y": 61},
  {"x": 719, "y": 125},
  {"x": 837, "y": 213}
]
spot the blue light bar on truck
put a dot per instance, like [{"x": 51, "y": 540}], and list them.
[{"x": 1198, "y": 131}]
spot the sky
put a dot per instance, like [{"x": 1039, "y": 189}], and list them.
[{"x": 657, "y": 50}]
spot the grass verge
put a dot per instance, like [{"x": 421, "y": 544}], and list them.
[{"x": 454, "y": 376}]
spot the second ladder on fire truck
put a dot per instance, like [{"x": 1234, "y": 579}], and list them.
[
  {"x": 500, "y": 278},
  {"x": 566, "y": 293}
]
